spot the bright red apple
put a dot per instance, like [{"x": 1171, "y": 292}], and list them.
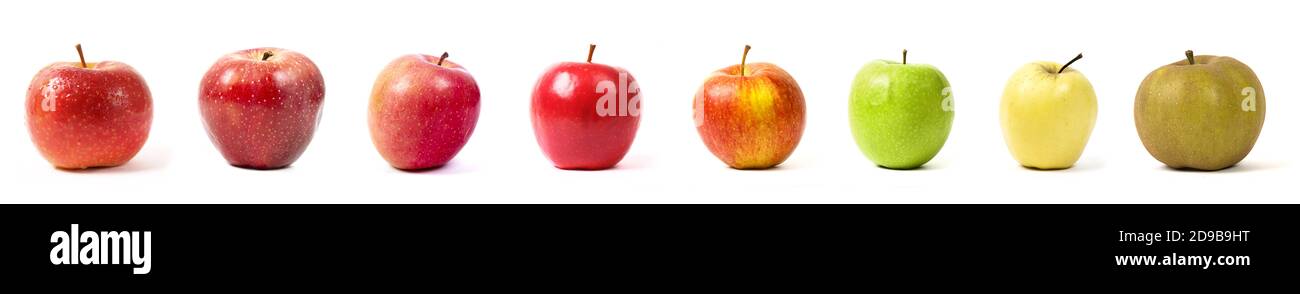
[
  {"x": 423, "y": 109},
  {"x": 261, "y": 106},
  {"x": 750, "y": 116},
  {"x": 585, "y": 114},
  {"x": 84, "y": 115}
]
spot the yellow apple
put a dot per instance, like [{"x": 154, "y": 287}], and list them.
[{"x": 1048, "y": 111}]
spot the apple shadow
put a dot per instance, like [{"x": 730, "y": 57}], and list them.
[
  {"x": 779, "y": 167},
  {"x": 452, "y": 167},
  {"x": 1253, "y": 166},
  {"x": 1241, "y": 167},
  {"x": 142, "y": 162},
  {"x": 259, "y": 169},
  {"x": 620, "y": 166},
  {"x": 588, "y": 170},
  {"x": 1082, "y": 166},
  {"x": 929, "y": 166},
  {"x": 628, "y": 163},
  {"x": 631, "y": 162},
  {"x": 919, "y": 168}
]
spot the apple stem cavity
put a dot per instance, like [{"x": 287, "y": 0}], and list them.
[
  {"x": 82, "y": 56},
  {"x": 1191, "y": 59},
  {"x": 1067, "y": 64},
  {"x": 267, "y": 55},
  {"x": 743, "y": 56},
  {"x": 444, "y": 57},
  {"x": 904, "y": 56},
  {"x": 591, "y": 50}
]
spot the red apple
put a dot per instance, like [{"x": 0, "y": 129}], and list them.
[
  {"x": 422, "y": 111},
  {"x": 83, "y": 115},
  {"x": 750, "y": 116},
  {"x": 261, "y": 106},
  {"x": 585, "y": 114}
]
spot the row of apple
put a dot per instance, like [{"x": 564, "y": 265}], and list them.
[{"x": 261, "y": 108}]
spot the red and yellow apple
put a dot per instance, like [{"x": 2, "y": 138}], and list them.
[
  {"x": 423, "y": 110},
  {"x": 85, "y": 115},
  {"x": 261, "y": 106},
  {"x": 751, "y": 116}
]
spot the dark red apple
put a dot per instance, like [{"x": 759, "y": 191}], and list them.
[
  {"x": 83, "y": 115},
  {"x": 261, "y": 106},
  {"x": 423, "y": 109},
  {"x": 585, "y": 114}
]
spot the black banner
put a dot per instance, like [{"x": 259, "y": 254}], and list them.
[{"x": 639, "y": 244}]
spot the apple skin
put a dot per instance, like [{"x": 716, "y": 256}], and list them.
[
  {"x": 262, "y": 114},
  {"x": 751, "y": 121},
  {"x": 98, "y": 116},
  {"x": 422, "y": 113},
  {"x": 900, "y": 114},
  {"x": 1047, "y": 117},
  {"x": 1198, "y": 116},
  {"x": 565, "y": 120}
]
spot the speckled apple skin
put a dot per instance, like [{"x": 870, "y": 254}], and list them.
[
  {"x": 566, "y": 124},
  {"x": 753, "y": 121},
  {"x": 422, "y": 114},
  {"x": 898, "y": 113},
  {"x": 262, "y": 114},
  {"x": 1191, "y": 116},
  {"x": 88, "y": 117}
]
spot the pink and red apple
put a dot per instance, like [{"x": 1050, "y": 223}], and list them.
[
  {"x": 261, "y": 106},
  {"x": 423, "y": 110},
  {"x": 585, "y": 114},
  {"x": 751, "y": 116},
  {"x": 85, "y": 115}
]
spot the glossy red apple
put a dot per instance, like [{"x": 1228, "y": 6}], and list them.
[
  {"x": 84, "y": 115},
  {"x": 751, "y": 116},
  {"x": 585, "y": 114},
  {"x": 423, "y": 109},
  {"x": 261, "y": 106}
]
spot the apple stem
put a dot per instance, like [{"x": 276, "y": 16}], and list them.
[
  {"x": 267, "y": 55},
  {"x": 591, "y": 50},
  {"x": 444, "y": 57},
  {"x": 82, "y": 56},
  {"x": 904, "y": 56},
  {"x": 1067, "y": 64},
  {"x": 743, "y": 56},
  {"x": 1191, "y": 59}
]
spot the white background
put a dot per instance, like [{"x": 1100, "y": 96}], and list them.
[{"x": 670, "y": 47}]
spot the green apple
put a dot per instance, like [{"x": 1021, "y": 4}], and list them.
[
  {"x": 1204, "y": 112},
  {"x": 1048, "y": 111},
  {"x": 900, "y": 114}
]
